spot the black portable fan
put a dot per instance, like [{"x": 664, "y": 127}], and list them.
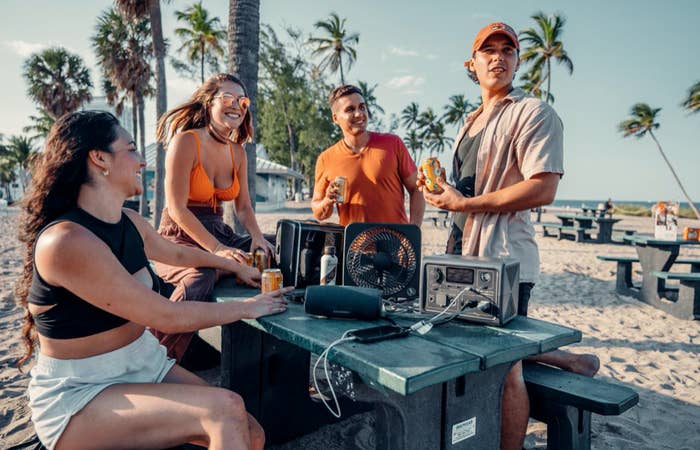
[{"x": 383, "y": 256}]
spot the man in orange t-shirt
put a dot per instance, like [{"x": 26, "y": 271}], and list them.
[{"x": 377, "y": 168}]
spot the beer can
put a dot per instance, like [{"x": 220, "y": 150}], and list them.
[
  {"x": 260, "y": 260},
  {"x": 249, "y": 259},
  {"x": 691, "y": 234},
  {"x": 431, "y": 170},
  {"x": 342, "y": 185},
  {"x": 271, "y": 280}
]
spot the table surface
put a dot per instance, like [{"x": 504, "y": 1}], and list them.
[
  {"x": 411, "y": 363},
  {"x": 648, "y": 239}
]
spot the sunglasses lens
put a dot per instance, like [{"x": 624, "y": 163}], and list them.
[{"x": 244, "y": 102}]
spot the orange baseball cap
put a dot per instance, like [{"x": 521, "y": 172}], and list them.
[{"x": 495, "y": 28}]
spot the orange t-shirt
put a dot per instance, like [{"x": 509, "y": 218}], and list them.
[{"x": 375, "y": 191}]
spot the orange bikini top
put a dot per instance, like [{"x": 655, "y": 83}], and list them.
[{"x": 201, "y": 187}]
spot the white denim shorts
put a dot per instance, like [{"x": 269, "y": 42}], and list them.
[{"x": 60, "y": 388}]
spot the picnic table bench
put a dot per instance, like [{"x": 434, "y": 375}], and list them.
[
  {"x": 442, "y": 217},
  {"x": 561, "y": 231},
  {"x": 565, "y": 401},
  {"x": 440, "y": 390},
  {"x": 683, "y": 302}
]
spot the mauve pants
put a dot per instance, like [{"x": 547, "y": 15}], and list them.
[{"x": 194, "y": 283}]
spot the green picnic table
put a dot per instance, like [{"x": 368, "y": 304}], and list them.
[{"x": 441, "y": 390}]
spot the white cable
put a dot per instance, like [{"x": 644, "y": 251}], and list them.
[
  {"x": 324, "y": 356},
  {"x": 418, "y": 326},
  {"x": 454, "y": 300}
]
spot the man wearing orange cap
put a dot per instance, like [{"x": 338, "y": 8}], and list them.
[{"x": 508, "y": 158}]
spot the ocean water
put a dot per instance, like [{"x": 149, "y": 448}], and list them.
[{"x": 593, "y": 203}]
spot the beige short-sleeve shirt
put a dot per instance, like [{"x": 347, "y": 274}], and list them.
[{"x": 523, "y": 137}]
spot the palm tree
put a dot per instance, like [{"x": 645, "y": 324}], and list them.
[
  {"x": 21, "y": 151},
  {"x": 201, "y": 36},
  {"x": 414, "y": 143},
  {"x": 532, "y": 83},
  {"x": 243, "y": 48},
  {"x": 409, "y": 115},
  {"x": 41, "y": 125},
  {"x": 692, "y": 103},
  {"x": 545, "y": 45},
  {"x": 335, "y": 45},
  {"x": 457, "y": 109},
  {"x": 370, "y": 98},
  {"x": 123, "y": 49},
  {"x": 133, "y": 10},
  {"x": 643, "y": 121},
  {"x": 7, "y": 170},
  {"x": 58, "y": 81},
  {"x": 431, "y": 131}
]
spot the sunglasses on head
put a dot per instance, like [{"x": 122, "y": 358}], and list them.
[{"x": 229, "y": 100}]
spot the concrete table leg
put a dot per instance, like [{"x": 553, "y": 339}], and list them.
[{"x": 461, "y": 414}]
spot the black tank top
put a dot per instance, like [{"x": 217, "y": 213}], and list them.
[{"x": 73, "y": 317}]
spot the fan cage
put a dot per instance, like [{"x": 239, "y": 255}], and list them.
[{"x": 361, "y": 254}]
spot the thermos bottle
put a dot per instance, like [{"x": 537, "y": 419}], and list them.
[{"x": 329, "y": 266}]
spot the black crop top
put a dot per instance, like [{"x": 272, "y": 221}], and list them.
[{"x": 73, "y": 317}]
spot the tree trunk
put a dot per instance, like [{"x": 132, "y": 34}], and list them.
[
  {"x": 292, "y": 136},
  {"x": 143, "y": 207},
  {"x": 243, "y": 47},
  {"x": 161, "y": 105},
  {"x": 678, "y": 180},
  {"x": 340, "y": 63},
  {"x": 549, "y": 80},
  {"x": 8, "y": 193},
  {"x": 201, "y": 62}
]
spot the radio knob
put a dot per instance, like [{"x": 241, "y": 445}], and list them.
[{"x": 438, "y": 276}]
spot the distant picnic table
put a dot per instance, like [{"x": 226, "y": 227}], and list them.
[
  {"x": 581, "y": 227},
  {"x": 657, "y": 257}
]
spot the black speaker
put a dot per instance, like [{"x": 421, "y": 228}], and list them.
[
  {"x": 299, "y": 247},
  {"x": 348, "y": 302}
]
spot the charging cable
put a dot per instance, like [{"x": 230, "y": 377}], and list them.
[{"x": 324, "y": 356}]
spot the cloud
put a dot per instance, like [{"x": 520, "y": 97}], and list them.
[
  {"x": 405, "y": 52},
  {"x": 179, "y": 88},
  {"x": 406, "y": 82},
  {"x": 24, "y": 49}
]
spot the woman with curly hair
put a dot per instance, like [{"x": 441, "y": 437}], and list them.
[
  {"x": 100, "y": 378},
  {"x": 205, "y": 165}
]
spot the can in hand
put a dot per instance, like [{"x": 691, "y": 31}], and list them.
[
  {"x": 260, "y": 261},
  {"x": 249, "y": 259},
  {"x": 342, "y": 185},
  {"x": 271, "y": 280},
  {"x": 431, "y": 170}
]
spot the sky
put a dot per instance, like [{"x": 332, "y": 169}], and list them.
[{"x": 623, "y": 52}]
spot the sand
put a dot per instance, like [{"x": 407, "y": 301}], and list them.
[{"x": 639, "y": 346}]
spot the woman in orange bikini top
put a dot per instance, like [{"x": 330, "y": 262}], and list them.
[
  {"x": 206, "y": 165},
  {"x": 205, "y": 148}
]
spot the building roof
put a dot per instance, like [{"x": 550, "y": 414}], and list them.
[{"x": 262, "y": 165}]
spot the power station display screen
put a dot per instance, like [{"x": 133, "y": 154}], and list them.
[{"x": 460, "y": 275}]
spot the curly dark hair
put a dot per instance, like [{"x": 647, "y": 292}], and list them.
[
  {"x": 194, "y": 113},
  {"x": 57, "y": 176}
]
